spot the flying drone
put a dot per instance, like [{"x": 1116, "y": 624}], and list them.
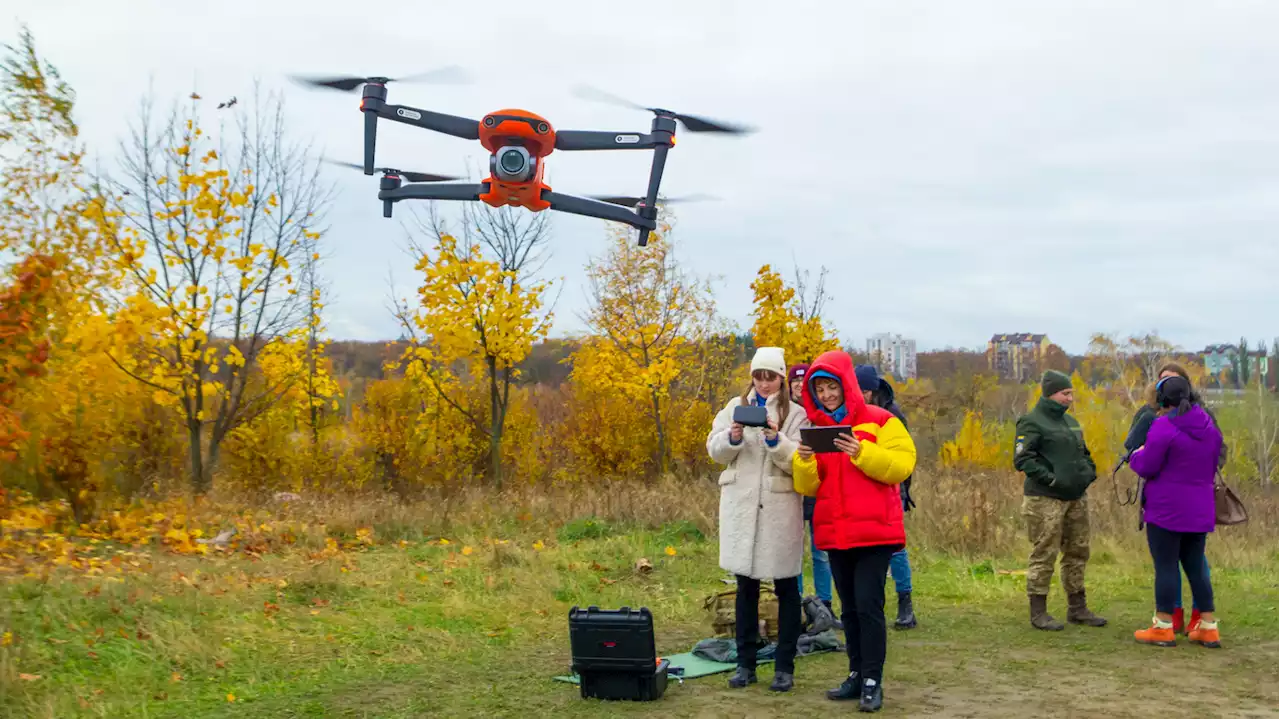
[{"x": 518, "y": 142}]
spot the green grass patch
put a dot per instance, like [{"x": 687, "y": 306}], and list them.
[{"x": 426, "y": 630}]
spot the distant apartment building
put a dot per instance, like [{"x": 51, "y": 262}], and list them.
[
  {"x": 1016, "y": 356},
  {"x": 894, "y": 355},
  {"x": 1220, "y": 360}
]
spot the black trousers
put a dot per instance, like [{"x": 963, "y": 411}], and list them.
[
  {"x": 747, "y": 621},
  {"x": 859, "y": 577},
  {"x": 1167, "y": 550}
]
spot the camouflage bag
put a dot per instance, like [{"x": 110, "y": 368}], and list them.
[{"x": 723, "y": 613}]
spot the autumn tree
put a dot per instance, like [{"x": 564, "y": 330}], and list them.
[
  {"x": 209, "y": 232},
  {"x": 479, "y": 311},
  {"x": 24, "y": 348},
  {"x": 646, "y": 316},
  {"x": 790, "y": 316}
]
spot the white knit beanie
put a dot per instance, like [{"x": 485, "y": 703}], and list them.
[{"x": 769, "y": 358}]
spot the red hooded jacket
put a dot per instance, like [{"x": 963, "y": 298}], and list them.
[{"x": 858, "y": 502}]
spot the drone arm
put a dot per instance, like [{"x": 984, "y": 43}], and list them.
[
  {"x": 595, "y": 208},
  {"x": 424, "y": 191},
  {"x": 465, "y": 128},
  {"x": 594, "y": 140}
]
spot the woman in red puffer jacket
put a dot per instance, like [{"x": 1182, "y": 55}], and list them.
[{"x": 857, "y": 518}]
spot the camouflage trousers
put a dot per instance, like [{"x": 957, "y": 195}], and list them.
[{"x": 1053, "y": 524}]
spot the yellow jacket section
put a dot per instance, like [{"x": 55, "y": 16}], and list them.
[{"x": 890, "y": 459}]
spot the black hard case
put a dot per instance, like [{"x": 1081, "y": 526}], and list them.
[{"x": 614, "y": 655}]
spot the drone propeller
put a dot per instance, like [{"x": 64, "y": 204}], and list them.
[
  {"x": 449, "y": 75},
  {"x": 410, "y": 176},
  {"x": 633, "y": 201},
  {"x": 692, "y": 123}
]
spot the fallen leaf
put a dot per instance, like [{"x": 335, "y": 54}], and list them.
[
  {"x": 84, "y": 703},
  {"x": 57, "y": 641},
  {"x": 220, "y": 664},
  {"x": 88, "y": 641},
  {"x": 539, "y": 546},
  {"x": 123, "y": 634},
  {"x": 466, "y": 551},
  {"x": 598, "y": 567},
  {"x": 28, "y": 677},
  {"x": 160, "y": 696},
  {"x": 400, "y": 597},
  {"x": 93, "y": 655},
  {"x": 231, "y": 697},
  {"x": 98, "y": 692},
  {"x": 448, "y": 582},
  {"x": 315, "y": 612},
  {"x": 6, "y": 639},
  {"x": 175, "y": 677},
  {"x": 671, "y": 551},
  {"x": 606, "y": 580},
  {"x": 143, "y": 634}
]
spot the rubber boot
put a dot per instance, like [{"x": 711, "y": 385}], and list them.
[
  {"x": 1078, "y": 612},
  {"x": 1040, "y": 618},
  {"x": 906, "y": 613},
  {"x": 1178, "y": 624}
]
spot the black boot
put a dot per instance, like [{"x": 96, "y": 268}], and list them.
[
  {"x": 906, "y": 613},
  {"x": 1040, "y": 617},
  {"x": 838, "y": 624},
  {"x": 782, "y": 682},
  {"x": 872, "y": 697},
  {"x": 850, "y": 688},
  {"x": 742, "y": 677}
]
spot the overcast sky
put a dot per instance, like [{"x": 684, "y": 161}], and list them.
[{"x": 963, "y": 168}]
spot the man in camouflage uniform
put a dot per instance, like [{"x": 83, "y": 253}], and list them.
[{"x": 1050, "y": 450}]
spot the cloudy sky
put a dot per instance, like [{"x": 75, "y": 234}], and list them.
[{"x": 961, "y": 168}]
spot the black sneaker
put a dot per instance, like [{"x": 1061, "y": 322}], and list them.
[
  {"x": 848, "y": 689},
  {"x": 872, "y": 696},
  {"x": 782, "y": 682},
  {"x": 742, "y": 677}
]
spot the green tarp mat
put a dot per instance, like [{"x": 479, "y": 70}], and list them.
[{"x": 694, "y": 666}]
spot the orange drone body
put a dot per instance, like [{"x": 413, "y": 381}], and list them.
[{"x": 517, "y": 128}]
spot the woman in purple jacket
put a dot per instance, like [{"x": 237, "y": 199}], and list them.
[{"x": 1178, "y": 461}]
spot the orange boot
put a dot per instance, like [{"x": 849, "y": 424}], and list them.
[
  {"x": 1160, "y": 634},
  {"x": 1205, "y": 634}
]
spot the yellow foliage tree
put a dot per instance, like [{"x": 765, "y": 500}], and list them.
[
  {"x": 786, "y": 318},
  {"x": 979, "y": 445},
  {"x": 209, "y": 234},
  {"x": 649, "y": 319},
  {"x": 471, "y": 311}
]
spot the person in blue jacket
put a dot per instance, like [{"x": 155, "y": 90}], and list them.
[{"x": 881, "y": 395}]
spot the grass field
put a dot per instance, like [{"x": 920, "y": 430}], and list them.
[{"x": 477, "y": 627}]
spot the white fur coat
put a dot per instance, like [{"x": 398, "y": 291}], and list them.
[{"x": 761, "y": 515}]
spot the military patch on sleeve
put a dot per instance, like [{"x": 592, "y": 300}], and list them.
[{"x": 1017, "y": 448}]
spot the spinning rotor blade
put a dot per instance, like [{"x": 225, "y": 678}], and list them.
[
  {"x": 410, "y": 176},
  {"x": 692, "y": 123},
  {"x": 633, "y": 201},
  {"x": 449, "y": 75}
]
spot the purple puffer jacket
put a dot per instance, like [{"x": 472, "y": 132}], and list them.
[{"x": 1178, "y": 461}]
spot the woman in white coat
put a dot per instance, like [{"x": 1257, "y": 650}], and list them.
[{"x": 761, "y": 515}]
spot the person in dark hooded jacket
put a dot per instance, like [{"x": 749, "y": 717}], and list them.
[{"x": 876, "y": 390}]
